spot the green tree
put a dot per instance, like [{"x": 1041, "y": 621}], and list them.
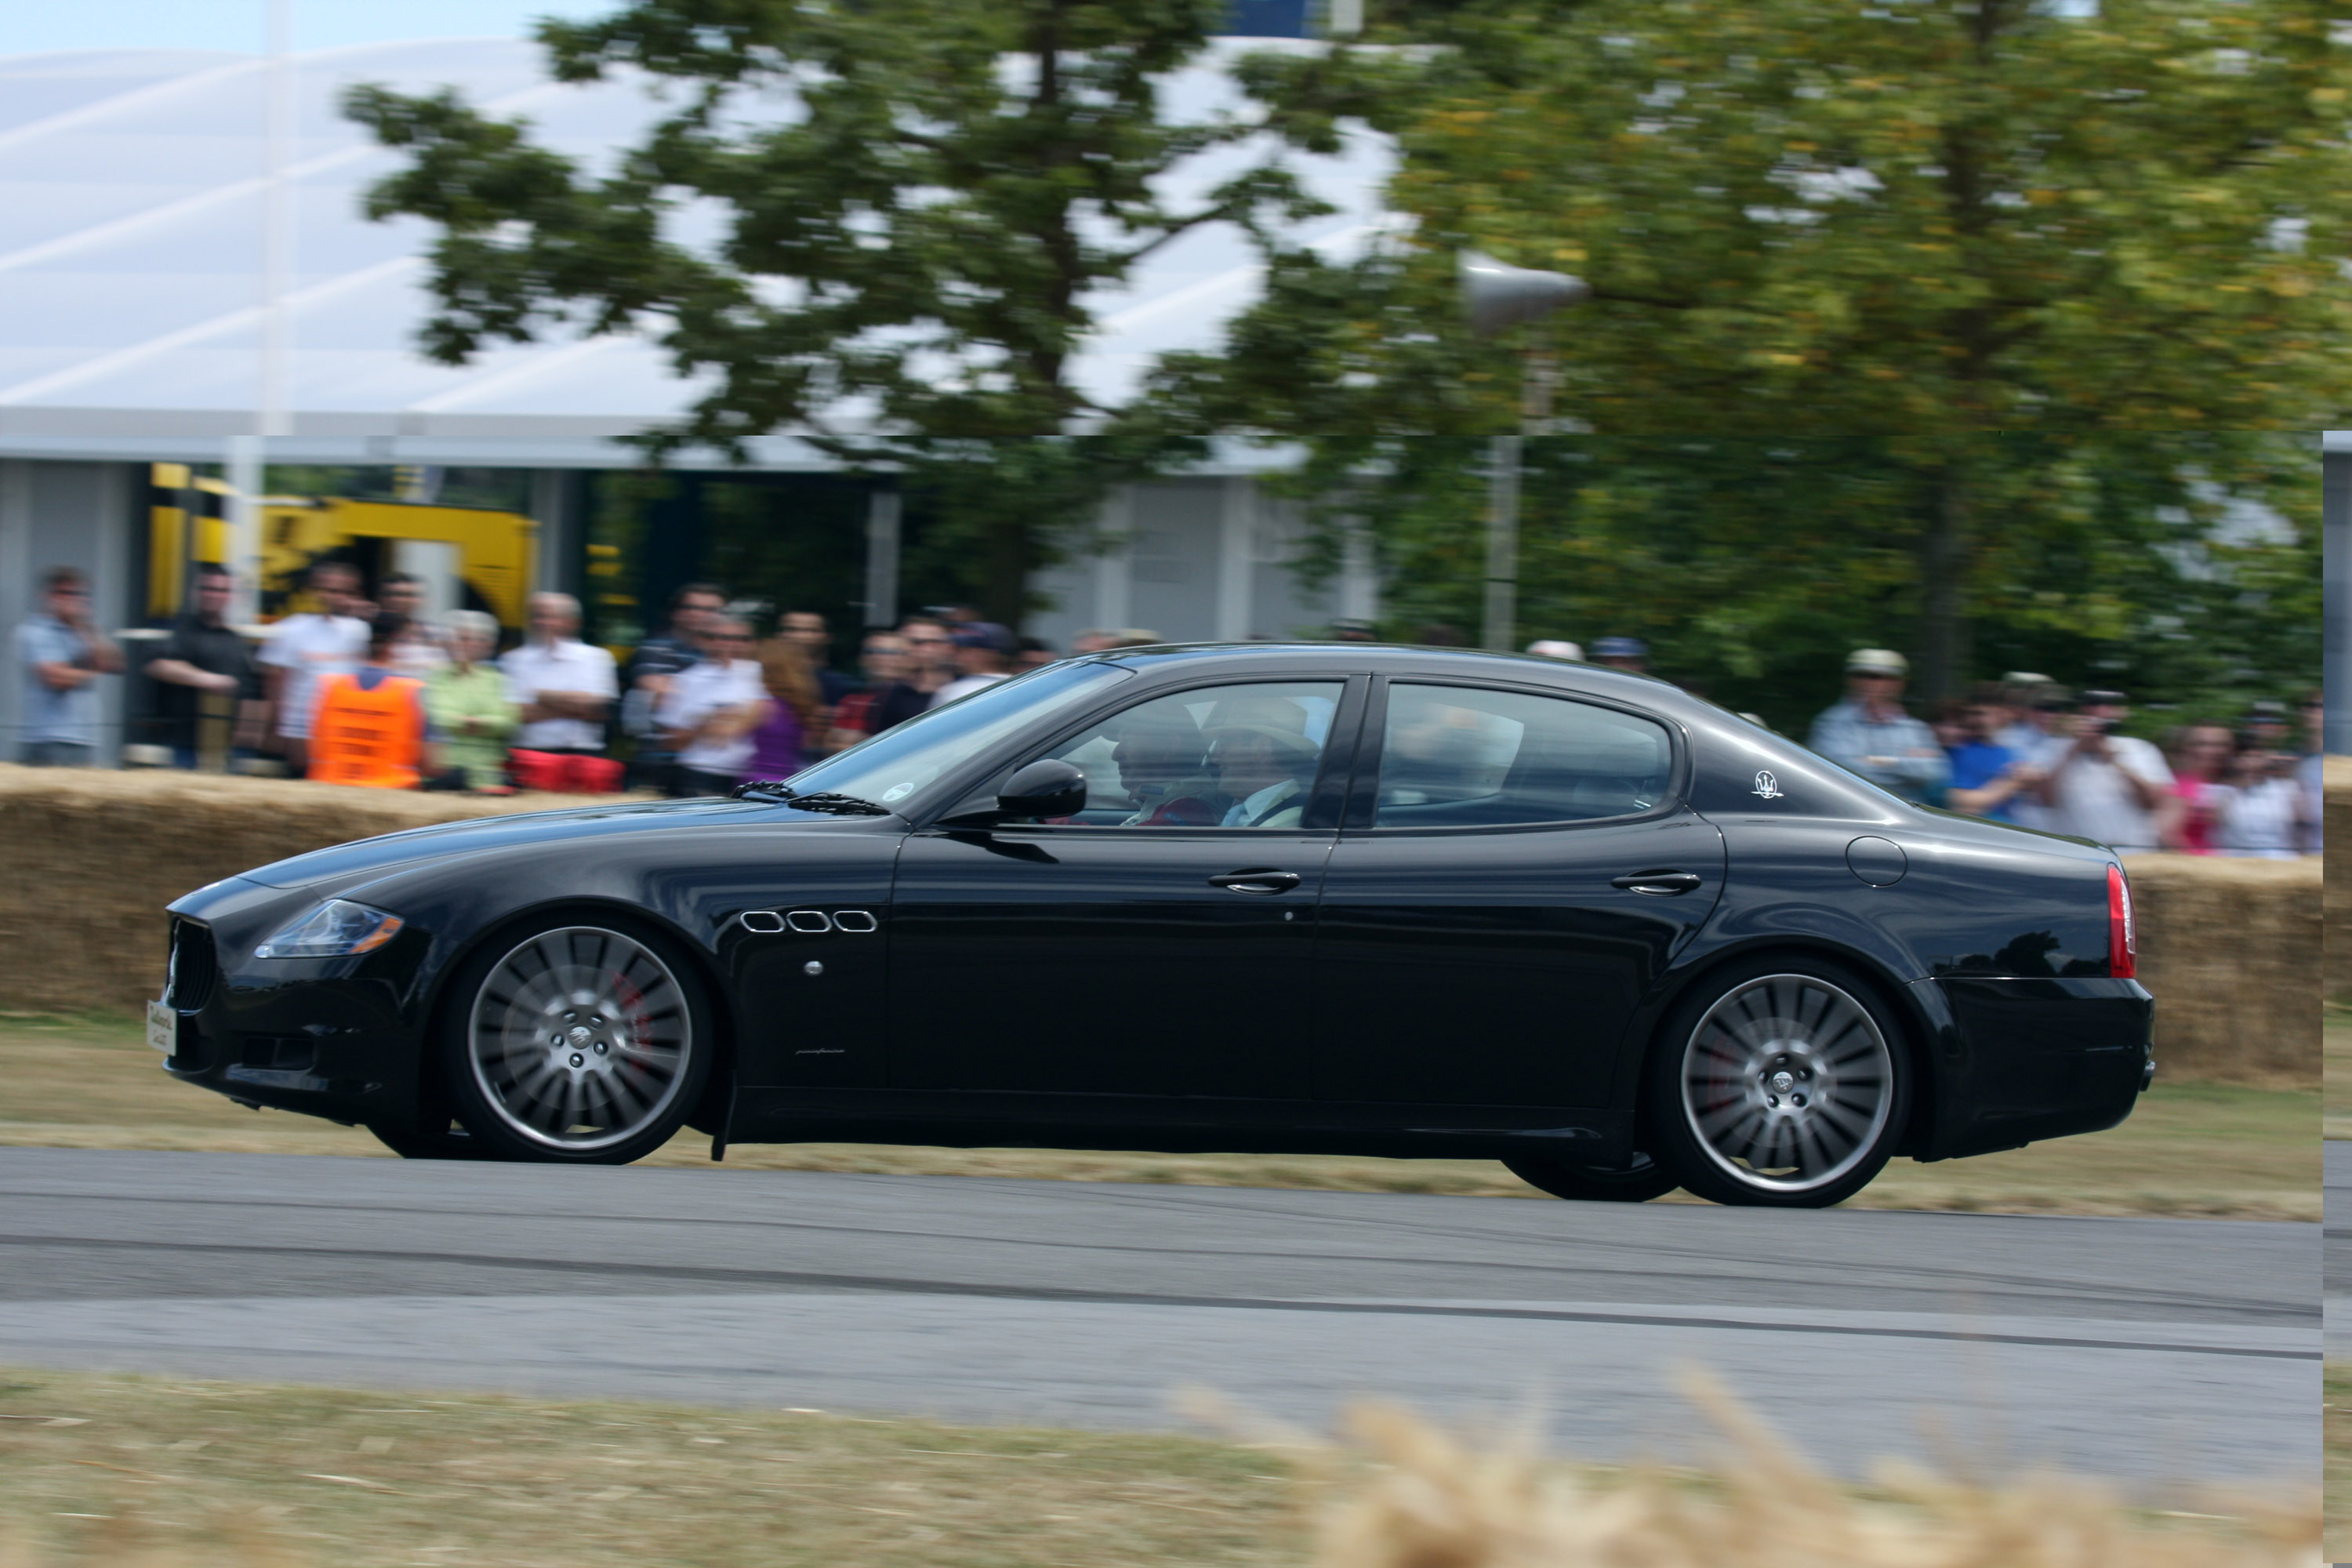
[
  {"x": 1915, "y": 233},
  {"x": 906, "y": 253}
]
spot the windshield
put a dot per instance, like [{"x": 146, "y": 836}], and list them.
[{"x": 897, "y": 763}]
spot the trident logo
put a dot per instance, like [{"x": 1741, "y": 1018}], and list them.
[{"x": 1767, "y": 786}]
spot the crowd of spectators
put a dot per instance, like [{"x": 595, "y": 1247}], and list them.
[{"x": 375, "y": 693}]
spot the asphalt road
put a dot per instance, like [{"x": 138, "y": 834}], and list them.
[
  {"x": 2148, "y": 1350},
  {"x": 2335, "y": 1175}
]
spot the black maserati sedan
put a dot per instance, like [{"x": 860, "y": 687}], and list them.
[{"x": 1308, "y": 898}]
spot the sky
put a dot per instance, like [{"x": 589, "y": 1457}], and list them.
[{"x": 243, "y": 25}]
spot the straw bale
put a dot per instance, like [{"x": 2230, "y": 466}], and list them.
[
  {"x": 2338, "y": 824},
  {"x": 94, "y": 857},
  {"x": 2230, "y": 947},
  {"x": 2231, "y": 950}
]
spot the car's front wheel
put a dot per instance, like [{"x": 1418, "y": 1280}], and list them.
[
  {"x": 1638, "y": 1182},
  {"x": 582, "y": 1039},
  {"x": 1782, "y": 1083}
]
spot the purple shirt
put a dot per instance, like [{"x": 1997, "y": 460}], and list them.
[{"x": 776, "y": 744}]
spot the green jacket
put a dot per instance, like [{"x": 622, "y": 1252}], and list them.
[{"x": 480, "y": 694}]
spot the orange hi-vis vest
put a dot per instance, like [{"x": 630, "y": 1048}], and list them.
[{"x": 371, "y": 738}]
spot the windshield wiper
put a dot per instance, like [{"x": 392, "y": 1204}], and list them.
[{"x": 824, "y": 800}]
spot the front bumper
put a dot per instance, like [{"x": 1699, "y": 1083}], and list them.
[
  {"x": 2017, "y": 1062},
  {"x": 334, "y": 1038}
]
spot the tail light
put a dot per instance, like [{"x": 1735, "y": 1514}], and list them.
[{"x": 2123, "y": 932}]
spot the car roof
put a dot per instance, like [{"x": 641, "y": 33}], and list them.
[{"x": 1397, "y": 658}]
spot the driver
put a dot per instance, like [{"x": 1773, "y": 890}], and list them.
[{"x": 1162, "y": 758}]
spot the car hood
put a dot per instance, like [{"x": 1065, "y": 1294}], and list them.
[{"x": 347, "y": 862}]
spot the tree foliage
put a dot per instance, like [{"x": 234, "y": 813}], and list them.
[
  {"x": 914, "y": 202},
  {"x": 1964, "y": 259}
]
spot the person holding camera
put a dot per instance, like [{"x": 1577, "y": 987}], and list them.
[
  {"x": 2262, "y": 805},
  {"x": 2113, "y": 789}
]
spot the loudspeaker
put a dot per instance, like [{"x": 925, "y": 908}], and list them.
[{"x": 1497, "y": 295}]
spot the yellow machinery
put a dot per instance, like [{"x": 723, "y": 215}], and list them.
[{"x": 468, "y": 558}]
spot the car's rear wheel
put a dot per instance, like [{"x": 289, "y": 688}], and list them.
[
  {"x": 580, "y": 1039},
  {"x": 1638, "y": 1184},
  {"x": 1783, "y": 1084}
]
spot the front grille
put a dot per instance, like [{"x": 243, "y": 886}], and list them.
[{"x": 194, "y": 967}]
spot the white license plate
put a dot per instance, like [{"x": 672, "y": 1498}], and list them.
[{"x": 162, "y": 1028}]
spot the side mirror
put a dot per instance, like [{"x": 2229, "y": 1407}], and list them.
[{"x": 1046, "y": 788}]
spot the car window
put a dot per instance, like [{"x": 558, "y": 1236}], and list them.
[
  {"x": 1452, "y": 756},
  {"x": 1215, "y": 756},
  {"x": 906, "y": 757}
]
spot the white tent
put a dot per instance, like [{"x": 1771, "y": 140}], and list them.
[{"x": 134, "y": 198}]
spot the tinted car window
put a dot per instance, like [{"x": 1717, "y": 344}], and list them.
[
  {"x": 1454, "y": 756},
  {"x": 905, "y": 758},
  {"x": 1215, "y": 756}
]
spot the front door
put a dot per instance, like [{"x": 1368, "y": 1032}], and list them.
[
  {"x": 1511, "y": 884},
  {"x": 1156, "y": 943}
]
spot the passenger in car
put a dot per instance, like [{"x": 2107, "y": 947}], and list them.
[{"x": 1264, "y": 762}]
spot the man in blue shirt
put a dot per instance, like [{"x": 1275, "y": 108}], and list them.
[
  {"x": 1871, "y": 734},
  {"x": 63, "y": 654},
  {"x": 1987, "y": 777}
]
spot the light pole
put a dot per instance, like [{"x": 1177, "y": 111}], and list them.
[{"x": 1498, "y": 296}]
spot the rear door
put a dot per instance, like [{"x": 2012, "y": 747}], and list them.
[{"x": 1517, "y": 870}]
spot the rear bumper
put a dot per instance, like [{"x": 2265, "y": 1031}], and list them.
[{"x": 2016, "y": 1061}]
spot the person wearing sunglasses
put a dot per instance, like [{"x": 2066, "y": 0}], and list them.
[
  {"x": 63, "y": 654},
  {"x": 710, "y": 708},
  {"x": 929, "y": 664}
]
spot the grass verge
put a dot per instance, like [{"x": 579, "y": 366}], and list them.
[
  {"x": 2205, "y": 1150},
  {"x": 112, "y": 1471},
  {"x": 2336, "y": 1054},
  {"x": 96, "y": 1468}
]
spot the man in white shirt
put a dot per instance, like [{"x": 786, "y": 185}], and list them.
[
  {"x": 564, "y": 684},
  {"x": 2110, "y": 788},
  {"x": 982, "y": 651},
  {"x": 303, "y": 647},
  {"x": 710, "y": 709},
  {"x": 422, "y": 648}
]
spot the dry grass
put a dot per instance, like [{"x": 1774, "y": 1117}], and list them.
[
  {"x": 1433, "y": 1500},
  {"x": 118, "y": 1472},
  {"x": 2195, "y": 1149},
  {"x": 217, "y": 1472}
]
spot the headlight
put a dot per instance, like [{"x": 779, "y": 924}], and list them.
[{"x": 336, "y": 929}]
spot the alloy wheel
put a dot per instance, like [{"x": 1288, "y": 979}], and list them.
[
  {"x": 580, "y": 1039},
  {"x": 1787, "y": 1084}
]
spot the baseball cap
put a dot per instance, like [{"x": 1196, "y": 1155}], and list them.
[
  {"x": 1554, "y": 648},
  {"x": 1621, "y": 647},
  {"x": 987, "y": 634},
  {"x": 1877, "y": 661},
  {"x": 2103, "y": 698}
]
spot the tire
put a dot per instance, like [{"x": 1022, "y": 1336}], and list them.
[
  {"x": 1588, "y": 1183},
  {"x": 1782, "y": 1083},
  {"x": 584, "y": 1038},
  {"x": 451, "y": 1142}
]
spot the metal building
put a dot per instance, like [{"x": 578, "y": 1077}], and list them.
[{"x": 186, "y": 275}]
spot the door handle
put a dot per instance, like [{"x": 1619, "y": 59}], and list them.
[
  {"x": 1663, "y": 883},
  {"x": 1260, "y": 882}
]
